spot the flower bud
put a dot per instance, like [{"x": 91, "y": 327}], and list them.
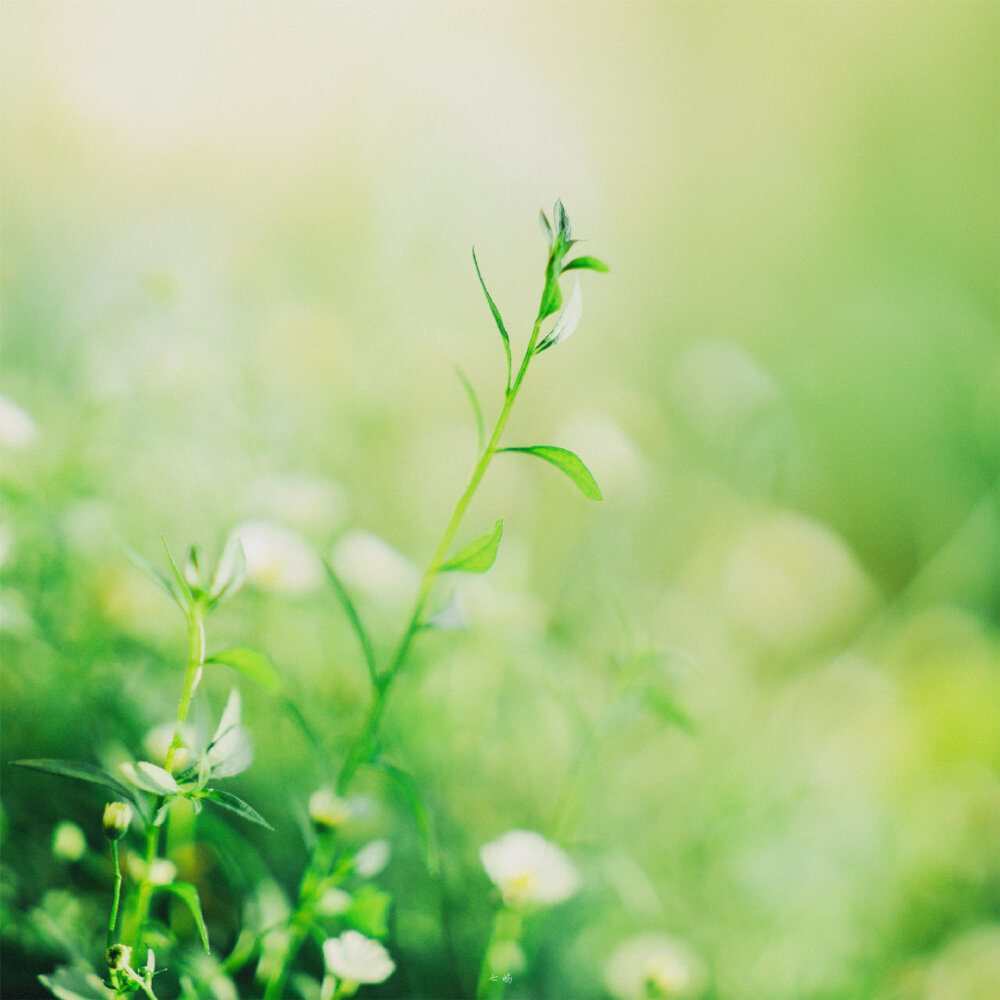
[
  {"x": 117, "y": 817},
  {"x": 118, "y": 957}
]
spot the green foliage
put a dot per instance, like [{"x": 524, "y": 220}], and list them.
[
  {"x": 255, "y": 666},
  {"x": 188, "y": 894},
  {"x": 80, "y": 771},
  {"x": 479, "y": 555},
  {"x": 496, "y": 318},
  {"x": 567, "y": 462}
]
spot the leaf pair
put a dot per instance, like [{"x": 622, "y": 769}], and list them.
[{"x": 187, "y": 589}]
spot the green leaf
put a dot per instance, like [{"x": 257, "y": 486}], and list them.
[
  {"x": 367, "y": 649},
  {"x": 477, "y": 411},
  {"x": 151, "y": 778},
  {"x": 369, "y": 911},
  {"x": 68, "y": 983},
  {"x": 86, "y": 772},
  {"x": 477, "y": 556},
  {"x": 551, "y": 297},
  {"x": 496, "y": 316},
  {"x": 667, "y": 708},
  {"x": 561, "y": 221},
  {"x": 148, "y": 570},
  {"x": 587, "y": 263},
  {"x": 422, "y": 817},
  {"x": 543, "y": 221},
  {"x": 567, "y": 322},
  {"x": 231, "y": 571},
  {"x": 186, "y": 892},
  {"x": 569, "y": 463},
  {"x": 178, "y": 576},
  {"x": 226, "y": 800},
  {"x": 256, "y": 667}
]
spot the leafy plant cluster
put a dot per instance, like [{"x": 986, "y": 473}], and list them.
[{"x": 339, "y": 910}]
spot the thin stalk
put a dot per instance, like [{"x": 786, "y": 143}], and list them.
[
  {"x": 113, "y": 919},
  {"x": 363, "y": 747},
  {"x": 192, "y": 675}
]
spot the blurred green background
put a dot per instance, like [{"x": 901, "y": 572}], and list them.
[{"x": 236, "y": 282}]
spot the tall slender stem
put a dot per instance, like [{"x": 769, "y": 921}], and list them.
[
  {"x": 363, "y": 747},
  {"x": 113, "y": 919},
  {"x": 192, "y": 675}
]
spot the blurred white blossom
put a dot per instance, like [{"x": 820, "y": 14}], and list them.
[
  {"x": 372, "y": 858},
  {"x": 528, "y": 869},
  {"x": 68, "y": 842},
  {"x": 279, "y": 559},
  {"x": 653, "y": 965},
  {"x": 17, "y": 427},
  {"x": 369, "y": 564}
]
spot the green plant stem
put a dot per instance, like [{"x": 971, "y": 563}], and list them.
[
  {"x": 363, "y": 747},
  {"x": 113, "y": 919},
  {"x": 506, "y": 927},
  {"x": 309, "y": 890},
  {"x": 192, "y": 675}
]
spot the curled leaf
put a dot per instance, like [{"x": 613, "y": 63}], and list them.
[
  {"x": 567, "y": 322},
  {"x": 569, "y": 463},
  {"x": 586, "y": 263},
  {"x": 479, "y": 555}
]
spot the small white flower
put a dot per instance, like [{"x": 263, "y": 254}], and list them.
[
  {"x": 527, "y": 868},
  {"x": 328, "y": 810},
  {"x": 372, "y": 858},
  {"x": 368, "y": 563},
  {"x": 17, "y": 428},
  {"x": 357, "y": 959},
  {"x": 653, "y": 965},
  {"x": 279, "y": 559}
]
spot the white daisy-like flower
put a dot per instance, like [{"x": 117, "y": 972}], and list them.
[
  {"x": 527, "y": 869},
  {"x": 328, "y": 810},
  {"x": 653, "y": 965},
  {"x": 279, "y": 559},
  {"x": 355, "y": 958},
  {"x": 372, "y": 858}
]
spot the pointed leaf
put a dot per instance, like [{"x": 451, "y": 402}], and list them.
[
  {"x": 421, "y": 815},
  {"x": 561, "y": 221},
  {"x": 551, "y": 298},
  {"x": 178, "y": 575},
  {"x": 85, "y": 772},
  {"x": 68, "y": 983},
  {"x": 231, "y": 571},
  {"x": 150, "y": 778},
  {"x": 667, "y": 708},
  {"x": 233, "y": 803},
  {"x": 367, "y": 649},
  {"x": 546, "y": 227},
  {"x": 567, "y": 322},
  {"x": 569, "y": 463},
  {"x": 255, "y": 666},
  {"x": 477, "y": 411},
  {"x": 587, "y": 263},
  {"x": 496, "y": 316},
  {"x": 189, "y": 895},
  {"x": 477, "y": 556},
  {"x": 148, "y": 570}
]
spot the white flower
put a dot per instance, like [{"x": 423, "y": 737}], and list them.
[
  {"x": 328, "y": 810},
  {"x": 279, "y": 559},
  {"x": 372, "y": 858},
  {"x": 368, "y": 563},
  {"x": 17, "y": 428},
  {"x": 529, "y": 869},
  {"x": 333, "y": 902},
  {"x": 357, "y": 959},
  {"x": 653, "y": 965}
]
